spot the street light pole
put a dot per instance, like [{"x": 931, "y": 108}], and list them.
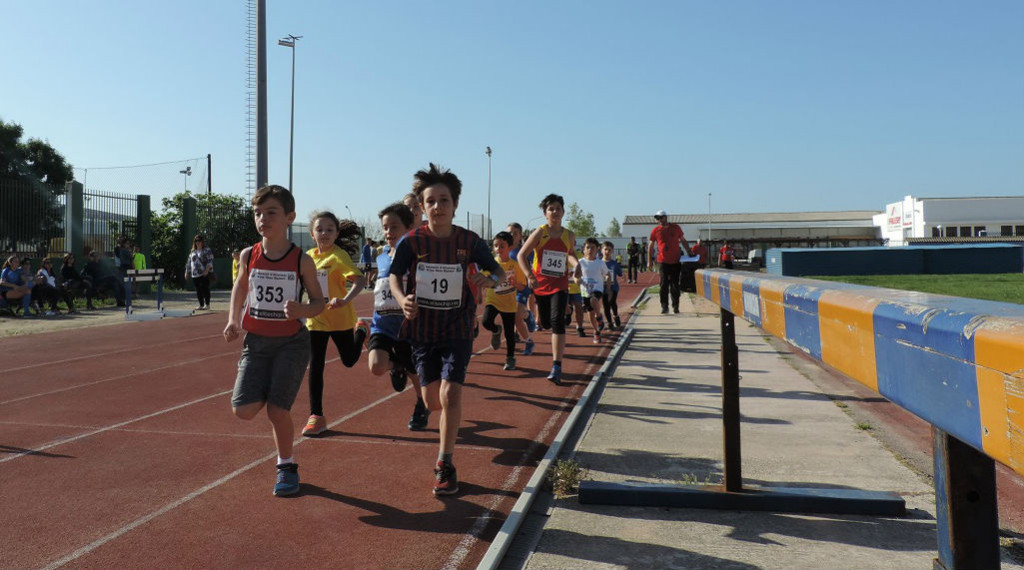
[
  {"x": 489, "y": 236},
  {"x": 289, "y": 42},
  {"x": 187, "y": 172},
  {"x": 709, "y": 217}
]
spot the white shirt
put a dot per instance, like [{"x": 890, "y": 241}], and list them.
[{"x": 593, "y": 275}]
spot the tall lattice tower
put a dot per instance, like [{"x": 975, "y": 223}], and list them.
[{"x": 250, "y": 97}]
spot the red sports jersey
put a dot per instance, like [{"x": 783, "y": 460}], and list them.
[{"x": 271, "y": 283}]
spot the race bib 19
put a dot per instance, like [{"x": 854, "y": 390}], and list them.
[
  {"x": 553, "y": 263},
  {"x": 268, "y": 291},
  {"x": 384, "y": 303},
  {"x": 439, "y": 285}
]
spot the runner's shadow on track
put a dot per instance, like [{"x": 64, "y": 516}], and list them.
[
  {"x": 23, "y": 451},
  {"x": 551, "y": 403},
  {"x": 455, "y": 515}
]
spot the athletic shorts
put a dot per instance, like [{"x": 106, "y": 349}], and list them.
[
  {"x": 271, "y": 369},
  {"x": 399, "y": 350},
  {"x": 575, "y": 298},
  {"x": 444, "y": 360},
  {"x": 595, "y": 294},
  {"x": 523, "y": 297}
]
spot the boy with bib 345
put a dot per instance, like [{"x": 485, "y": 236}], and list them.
[
  {"x": 266, "y": 304},
  {"x": 439, "y": 309}
]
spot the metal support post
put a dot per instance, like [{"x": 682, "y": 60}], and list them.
[
  {"x": 733, "y": 476},
  {"x": 966, "y": 514}
]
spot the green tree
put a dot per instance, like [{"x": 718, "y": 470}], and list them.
[
  {"x": 32, "y": 176},
  {"x": 580, "y": 222},
  {"x": 614, "y": 230}
]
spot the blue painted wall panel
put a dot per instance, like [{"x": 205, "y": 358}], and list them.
[
  {"x": 752, "y": 301},
  {"x": 944, "y": 259},
  {"x": 802, "y": 327},
  {"x": 938, "y": 385}
]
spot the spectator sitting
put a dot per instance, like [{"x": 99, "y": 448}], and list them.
[
  {"x": 48, "y": 288},
  {"x": 75, "y": 283},
  {"x": 103, "y": 278},
  {"x": 12, "y": 288}
]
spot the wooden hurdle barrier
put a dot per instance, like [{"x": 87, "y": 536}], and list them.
[
  {"x": 956, "y": 363},
  {"x": 143, "y": 276}
]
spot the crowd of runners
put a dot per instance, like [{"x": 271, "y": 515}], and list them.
[{"x": 428, "y": 279}]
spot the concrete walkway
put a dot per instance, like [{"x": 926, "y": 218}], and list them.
[{"x": 659, "y": 421}]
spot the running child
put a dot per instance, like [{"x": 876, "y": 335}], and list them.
[
  {"x": 592, "y": 274},
  {"x": 575, "y": 305},
  {"x": 438, "y": 306},
  {"x": 501, "y": 301},
  {"x": 389, "y": 353},
  {"x": 335, "y": 240},
  {"x": 548, "y": 275},
  {"x": 266, "y": 304},
  {"x": 611, "y": 297},
  {"x": 525, "y": 321}
]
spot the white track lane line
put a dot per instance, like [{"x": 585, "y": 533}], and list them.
[
  {"x": 194, "y": 494},
  {"x": 50, "y": 363}
]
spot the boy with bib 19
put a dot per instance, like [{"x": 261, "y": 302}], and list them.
[{"x": 439, "y": 309}]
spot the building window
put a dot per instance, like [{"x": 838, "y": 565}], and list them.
[
  {"x": 1006, "y": 231},
  {"x": 965, "y": 231},
  {"x": 936, "y": 232},
  {"x": 951, "y": 231},
  {"x": 1019, "y": 230},
  {"x": 980, "y": 231}
]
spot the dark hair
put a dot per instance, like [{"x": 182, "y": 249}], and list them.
[
  {"x": 199, "y": 237},
  {"x": 551, "y": 199},
  {"x": 504, "y": 236},
  {"x": 592, "y": 241},
  {"x": 399, "y": 209},
  {"x": 609, "y": 244},
  {"x": 279, "y": 193},
  {"x": 25, "y": 260},
  {"x": 436, "y": 174},
  {"x": 348, "y": 231},
  {"x": 516, "y": 225}
]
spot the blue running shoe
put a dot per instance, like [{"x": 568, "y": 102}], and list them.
[
  {"x": 556, "y": 375},
  {"x": 287, "y": 480},
  {"x": 531, "y": 323},
  {"x": 528, "y": 348}
]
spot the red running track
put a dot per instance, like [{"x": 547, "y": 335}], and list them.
[{"x": 119, "y": 450}]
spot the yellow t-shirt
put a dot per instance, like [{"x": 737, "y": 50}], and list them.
[
  {"x": 503, "y": 295},
  {"x": 334, "y": 269},
  {"x": 574, "y": 287},
  {"x": 234, "y": 270}
]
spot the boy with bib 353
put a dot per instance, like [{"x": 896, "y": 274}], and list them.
[
  {"x": 266, "y": 304},
  {"x": 439, "y": 309}
]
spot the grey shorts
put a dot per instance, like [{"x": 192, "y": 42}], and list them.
[{"x": 271, "y": 369}]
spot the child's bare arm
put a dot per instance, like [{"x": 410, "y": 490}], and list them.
[
  {"x": 239, "y": 290},
  {"x": 315, "y": 305}
]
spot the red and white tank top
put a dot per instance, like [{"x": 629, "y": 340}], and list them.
[
  {"x": 550, "y": 262},
  {"x": 271, "y": 283}
]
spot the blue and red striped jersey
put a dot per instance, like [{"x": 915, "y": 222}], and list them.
[{"x": 438, "y": 269}]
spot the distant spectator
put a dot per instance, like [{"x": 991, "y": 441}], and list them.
[
  {"x": 700, "y": 250},
  {"x": 138, "y": 259},
  {"x": 50, "y": 290},
  {"x": 199, "y": 267},
  {"x": 643, "y": 255},
  {"x": 75, "y": 283},
  {"x": 102, "y": 277},
  {"x": 12, "y": 288},
  {"x": 235, "y": 255},
  {"x": 633, "y": 253},
  {"x": 726, "y": 256},
  {"x": 126, "y": 257}
]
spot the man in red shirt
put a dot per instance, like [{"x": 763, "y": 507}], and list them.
[
  {"x": 726, "y": 256},
  {"x": 669, "y": 238}
]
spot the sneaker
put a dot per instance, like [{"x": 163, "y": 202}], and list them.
[
  {"x": 675, "y": 310},
  {"x": 398, "y": 378},
  {"x": 597, "y": 338},
  {"x": 362, "y": 332},
  {"x": 618, "y": 323},
  {"x": 556, "y": 375},
  {"x": 447, "y": 482},
  {"x": 50, "y": 313},
  {"x": 531, "y": 323},
  {"x": 496, "y": 338},
  {"x": 510, "y": 363},
  {"x": 528, "y": 347},
  {"x": 287, "y": 480},
  {"x": 315, "y": 425},
  {"x": 579, "y": 331},
  {"x": 664, "y": 310},
  {"x": 418, "y": 421},
  {"x": 600, "y": 325}
]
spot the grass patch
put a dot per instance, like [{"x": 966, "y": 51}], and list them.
[
  {"x": 565, "y": 477},
  {"x": 1004, "y": 287},
  {"x": 863, "y": 426},
  {"x": 842, "y": 405}
]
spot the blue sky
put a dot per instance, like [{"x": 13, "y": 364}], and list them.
[{"x": 622, "y": 107}]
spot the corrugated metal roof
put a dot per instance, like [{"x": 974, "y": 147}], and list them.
[{"x": 769, "y": 217}]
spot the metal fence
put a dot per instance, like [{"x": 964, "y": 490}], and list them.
[
  {"x": 32, "y": 218},
  {"x": 226, "y": 228},
  {"x": 108, "y": 218}
]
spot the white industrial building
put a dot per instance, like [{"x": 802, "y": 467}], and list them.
[{"x": 945, "y": 220}]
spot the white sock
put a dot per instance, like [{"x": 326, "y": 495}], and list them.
[{"x": 281, "y": 461}]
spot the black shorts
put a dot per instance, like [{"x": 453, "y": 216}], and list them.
[
  {"x": 399, "y": 350},
  {"x": 444, "y": 360},
  {"x": 596, "y": 295}
]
